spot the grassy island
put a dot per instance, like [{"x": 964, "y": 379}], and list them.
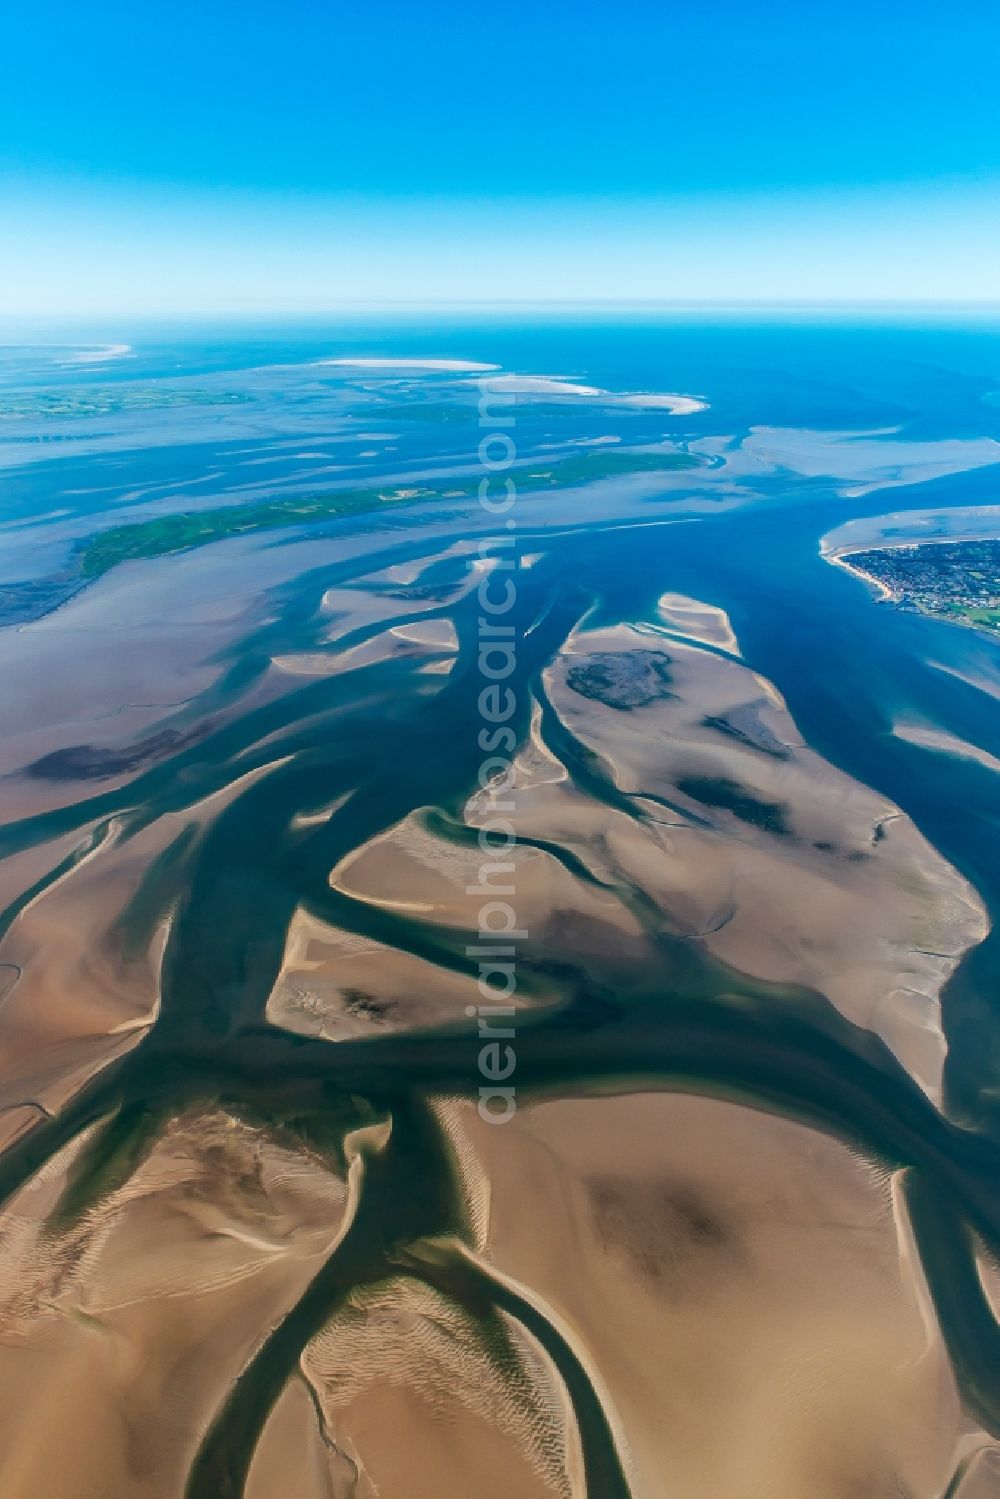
[{"x": 184, "y": 530}]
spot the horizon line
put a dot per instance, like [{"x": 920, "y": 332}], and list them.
[{"x": 513, "y": 304}]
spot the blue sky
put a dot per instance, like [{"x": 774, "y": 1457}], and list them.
[{"x": 256, "y": 156}]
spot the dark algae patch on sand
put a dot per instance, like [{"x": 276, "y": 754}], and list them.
[
  {"x": 730, "y": 796},
  {"x": 627, "y": 680}
]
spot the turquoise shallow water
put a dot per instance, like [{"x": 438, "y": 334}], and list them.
[{"x": 781, "y": 469}]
